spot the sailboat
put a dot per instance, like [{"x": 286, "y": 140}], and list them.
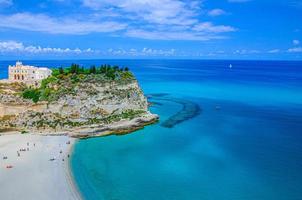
[{"x": 231, "y": 66}]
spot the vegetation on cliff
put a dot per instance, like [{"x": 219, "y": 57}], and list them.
[
  {"x": 64, "y": 80},
  {"x": 45, "y": 122}
]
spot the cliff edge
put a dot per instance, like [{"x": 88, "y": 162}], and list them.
[{"x": 77, "y": 102}]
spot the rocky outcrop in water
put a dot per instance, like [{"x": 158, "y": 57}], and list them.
[{"x": 189, "y": 109}]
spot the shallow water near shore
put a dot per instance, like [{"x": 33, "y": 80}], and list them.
[{"x": 244, "y": 144}]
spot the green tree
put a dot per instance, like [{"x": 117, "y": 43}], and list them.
[
  {"x": 93, "y": 69},
  {"x": 116, "y": 68},
  {"x": 61, "y": 70},
  {"x": 111, "y": 74},
  {"x": 102, "y": 69},
  {"x": 74, "y": 68},
  {"x": 82, "y": 70}
]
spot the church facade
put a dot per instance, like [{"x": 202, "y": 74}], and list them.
[{"x": 27, "y": 74}]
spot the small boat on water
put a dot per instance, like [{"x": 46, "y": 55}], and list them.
[{"x": 231, "y": 66}]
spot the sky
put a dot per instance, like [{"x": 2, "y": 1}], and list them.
[{"x": 185, "y": 29}]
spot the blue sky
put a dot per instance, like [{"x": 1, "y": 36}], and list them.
[{"x": 202, "y": 29}]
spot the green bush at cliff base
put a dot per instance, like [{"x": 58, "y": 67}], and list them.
[
  {"x": 24, "y": 132},
  {"x": 33, "y": 94}
]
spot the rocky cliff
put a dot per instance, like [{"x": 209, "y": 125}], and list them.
[{"x": 81, "y": 105}]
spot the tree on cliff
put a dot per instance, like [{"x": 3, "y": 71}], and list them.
[
  {"x": 61, "y": 70},
  {"x": 93, "y": 69},
  {"x": 74, "y": 69}
]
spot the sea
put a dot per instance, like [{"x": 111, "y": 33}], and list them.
[{"x": 228, "y": 130}]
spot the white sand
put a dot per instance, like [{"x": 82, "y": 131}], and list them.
[{"x": 33, "y": 176}]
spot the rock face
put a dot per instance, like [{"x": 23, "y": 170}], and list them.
[{"x": 97, "y": 107}]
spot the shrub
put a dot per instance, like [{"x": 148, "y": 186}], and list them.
[
  {"x": 55, "y": 72},
  {"x": 45, "y": 93},
  {"x": 33, "y": 94},
  {"x": 24, "y": 132},
  {"x": 126, "y": 75},
  {"x": 45, "y": 82}
]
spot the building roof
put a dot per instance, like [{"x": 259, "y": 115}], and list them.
[{"x": 19, "y": 64}]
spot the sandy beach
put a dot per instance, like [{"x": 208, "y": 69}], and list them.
[{"x": 33, "y": 175}]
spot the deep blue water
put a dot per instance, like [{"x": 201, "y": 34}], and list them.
[{"x": 250, "y": 148}]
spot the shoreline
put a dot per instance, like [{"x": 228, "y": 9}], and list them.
[
  {"x": 121, "y": 127},
  {"x": 69, "y": 176},
  {"x": 57, "y": 146},
  {"x": 33, "y": 175}
]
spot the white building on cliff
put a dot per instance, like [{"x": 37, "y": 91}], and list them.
[{"x": 27, "y": 74}]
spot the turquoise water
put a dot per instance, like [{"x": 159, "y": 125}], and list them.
[
  {"x": 245, "y": 144},
  {"x": 250, "y": 148}
]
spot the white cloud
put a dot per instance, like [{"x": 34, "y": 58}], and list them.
[
  {"x": 295, "y": 50},
  {"x": 19, "y": 47},
  {"x": 44, "y": 23},
  {"x": 216, "y": 12},
  {"x": 6, "y": 2},
  {"x": 210, "y": 28},
  {"x": 198, "y": 32},
  {"x": 245, "y": 51},
  {"x": 274, "y": 51},
  {"x": 163, "y": 19},
  {"x": 296, "y": 42},
  {"x": 172, "y": 12},
  {"x": 147, "y": 19},
  {"x": 167, "y": 35},
  {"x": 10, "y": 46},
  {"x": 143, "y": 52}
]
